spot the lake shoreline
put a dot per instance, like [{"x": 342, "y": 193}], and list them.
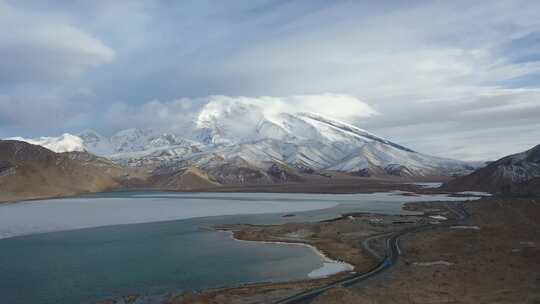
[
  {"x": 337, "y": 186},
  {"x": 333, "y": 243},
  {"x": 344, "y": 266}
]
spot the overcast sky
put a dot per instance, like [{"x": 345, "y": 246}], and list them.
[{"x": 457, "y": 79}]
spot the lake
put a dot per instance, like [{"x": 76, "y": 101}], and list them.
[{"x": 93, "y": 247}]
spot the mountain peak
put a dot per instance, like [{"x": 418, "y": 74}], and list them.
[{"x": 228, "y": 129}]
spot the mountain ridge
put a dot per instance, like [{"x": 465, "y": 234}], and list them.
[
  {"x": 305, "y": 142},
  {"x": 513, "y": 174}
]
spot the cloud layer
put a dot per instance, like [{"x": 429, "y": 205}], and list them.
[
  {"x": 456, "y": 79},
  {"x": 179, "y": 114},
  {"x": 37, "y": 48}
]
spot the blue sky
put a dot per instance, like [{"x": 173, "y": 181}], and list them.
[{"x": 452, "y": 78}]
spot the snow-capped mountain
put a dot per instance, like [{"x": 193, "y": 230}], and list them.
[
  {"x": 244, "y": 137},
  {"x": 306, "y": 141}
]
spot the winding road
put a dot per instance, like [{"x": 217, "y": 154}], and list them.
[{"x": 392, "y": 256}]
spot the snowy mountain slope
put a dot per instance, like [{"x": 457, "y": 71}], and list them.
[
  {"x": 96, "y": 143},
  {"x": 307, "y": 140},
  {"x": 63, "y": 143},
  {"x": 516, "y": 174},
  {"x": 386, "y": 157},
  {"x": 349, "y": 129},
  {"x": 245, "y": 137},
  {"x": 133, "y": 143}
]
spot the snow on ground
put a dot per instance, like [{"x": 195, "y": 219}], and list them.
[{"x": 438, "y": 217}]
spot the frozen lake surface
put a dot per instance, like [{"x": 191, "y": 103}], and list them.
[
  {"x": 85, "y": 212},
  {"x": 99, "y": 210}
]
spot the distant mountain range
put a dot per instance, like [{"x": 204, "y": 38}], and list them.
[
  {"x": 514, "y": 174},
  {"x": 238, "y": 144},
  {"x": 242, "y": 142}
]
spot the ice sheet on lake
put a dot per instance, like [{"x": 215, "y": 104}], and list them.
[
  {"x": 131, "y": 208},
  {"x": 391, "y": 196},
  {"x": 330, "y": 268},
  {"x": 428, "y": 185},
  {"x": 75, "y": 213},
  {"x": 475, "y": 193}
]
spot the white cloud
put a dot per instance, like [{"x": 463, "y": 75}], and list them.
[
  {"x": 42, "y": 111},
  {"x": 180, "y": 113},
  {"x": 169, "y": 116},
  {"x": 338, "y": 106},
  {"x": 479, "y": 127},
  {"x": 37, "y": 48},
  {"x": 436, "y": 72}
]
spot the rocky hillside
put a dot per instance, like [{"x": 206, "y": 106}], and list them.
[
  {"x": 514, "y": 174},
  {"x": 185, "y": 179},
  {"x": 31, "y": 171}
]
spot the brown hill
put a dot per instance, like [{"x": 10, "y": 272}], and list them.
[
  {"x": 191, "y": 178},
  {"x": 30, "y": 171}
]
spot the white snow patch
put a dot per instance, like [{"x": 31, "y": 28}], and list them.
[
  {"x": 475, "y": 193},
  {"x": 329, "y": 269},
  {"x": 438, "y": 217}
]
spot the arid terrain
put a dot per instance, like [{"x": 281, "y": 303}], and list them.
[{"x": 497, "y": 262}]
